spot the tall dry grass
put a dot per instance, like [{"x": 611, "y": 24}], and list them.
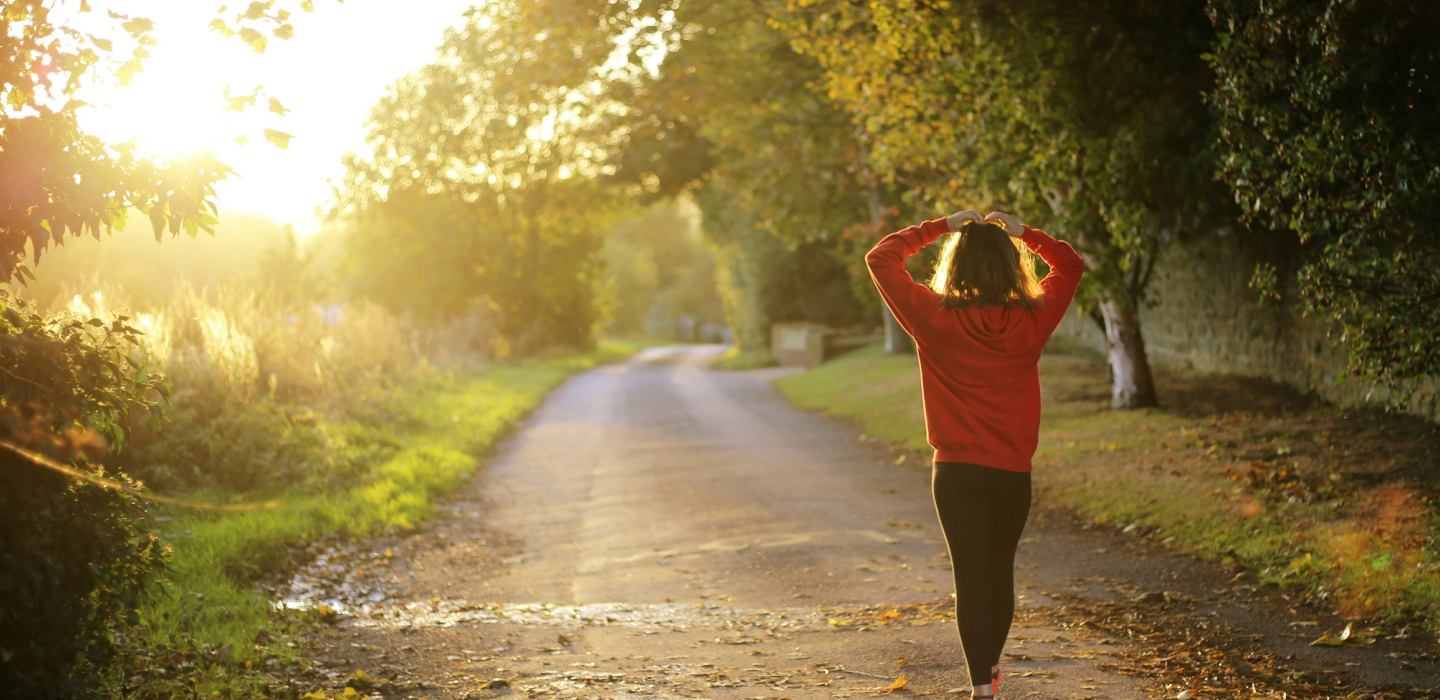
[{"x": 270, "y": 391}]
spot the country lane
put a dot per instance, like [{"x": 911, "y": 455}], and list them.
[{"x": 659, "y": 529}]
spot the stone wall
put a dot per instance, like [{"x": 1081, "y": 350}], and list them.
[{"x": 1203, "y": 315}]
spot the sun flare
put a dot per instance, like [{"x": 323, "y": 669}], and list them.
[{"x": 325, "y": 80}]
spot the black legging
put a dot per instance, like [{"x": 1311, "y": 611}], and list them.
[{"x": 982, "y": 511}]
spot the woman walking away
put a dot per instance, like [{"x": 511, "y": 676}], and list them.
[{"x": 979, "y": 328}]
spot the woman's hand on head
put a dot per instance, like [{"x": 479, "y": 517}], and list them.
[
  {"x": 960, "y": 217},
  {"x": 1011, "y": 224}
]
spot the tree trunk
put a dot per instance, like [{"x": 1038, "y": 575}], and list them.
[
  {"x": 897, "y": 341},
  {"x": 1133, "y": 386}
]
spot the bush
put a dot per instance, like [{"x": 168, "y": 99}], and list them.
[
  {"x": 242, "y": 447},
  {"x": 74, "y": 559},
  {"x": 74, "y": 556}
]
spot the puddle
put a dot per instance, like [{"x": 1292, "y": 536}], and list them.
[
  {"x": 665, "y": 616},
  {"x": 341, "y": 578},
  {"x": 356, "y": 585},
  {"x": 673, "y": 680},
  {"x": 352, "y": 583},
  {"x": 359, "y": 586}
]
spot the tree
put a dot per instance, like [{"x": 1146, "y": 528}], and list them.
[
  {"x": 483, "y": 185},
  {"x": 1083, "y": 116},
  {"x": 75, "y": 558},
  {"x": 787, "y": 195},
  {"x": 659, "y": 269},
  {"x": 57, "y": 181},
  {"x": 1329, "y": 115},
  {"x": 790, "y": 196},
  {"x": 711, "y": 99}
]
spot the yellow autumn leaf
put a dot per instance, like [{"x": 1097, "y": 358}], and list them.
[
  {"x": 279, "y": 138},
  {"x": 899, "y": 684}
]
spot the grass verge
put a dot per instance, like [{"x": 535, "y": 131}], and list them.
[
  {"x": 735, "y": 359},
  {"x": 1337, "y": 503},
  {"x": 212, "y": 631}
]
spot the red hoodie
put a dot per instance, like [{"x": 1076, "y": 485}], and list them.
[{"x": 978, "y": 363}]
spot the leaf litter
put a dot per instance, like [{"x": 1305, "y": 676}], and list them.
[
  {"x": 1183, "y": 654},
  {"x": 1177, "y": 652}
]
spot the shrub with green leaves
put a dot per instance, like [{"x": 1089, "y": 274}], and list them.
[
  {"x": 74, "y": 555},
  {"x": 1330, "y": 129}
]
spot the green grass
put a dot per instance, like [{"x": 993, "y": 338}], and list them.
[
  {"x": 211, "y": 598},
  {"x": 877, "y": 390},
  {"x": 1289, "y": 492},
  {"x": 735, "y": 359}
]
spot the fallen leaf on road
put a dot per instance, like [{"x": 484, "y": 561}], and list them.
[
  {"x": 360, "y": 681},
  {"x": 1347, "y": 638},
  {"x": 899, "y": 684}
]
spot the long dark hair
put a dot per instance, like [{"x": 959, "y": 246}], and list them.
[{"x": 983, "y": 266}]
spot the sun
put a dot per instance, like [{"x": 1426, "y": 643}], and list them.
[
  {"x": 174, "y": 107},
  {"x": 326, "y": 78},
  {"x": 166, "y": 126}
]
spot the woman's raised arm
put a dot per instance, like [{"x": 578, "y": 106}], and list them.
[
  {"x": 909, "y": 300},
  {"x": 1066, "y": 268}
]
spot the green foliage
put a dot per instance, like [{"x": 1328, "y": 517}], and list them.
[
  {"x": 74, "y": 561},
  {"x": 763, "y": 281},
  {"x": 788, "y": 199},
  {"x": 737, "y": 359},
  {"x": 60, "y": 182},
  {"x": 74, "y": 555},
  {"x": 83, "y": 372},
  {"x": 532, "y": 97},
  {"x": 248, "y": 448},
  {"x": 1083, "y": 117},
  {"x": 1330, "y": 128},
  {"x": 260, "y": 377},
  {"x": 658, "y": 269},
  {"x": 506, "y": 211}
]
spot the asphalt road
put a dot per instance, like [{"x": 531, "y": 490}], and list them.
[{"x": 658, "y": 529}]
